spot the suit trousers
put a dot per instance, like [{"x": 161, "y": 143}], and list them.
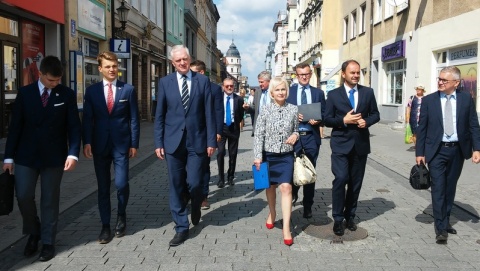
[
  {"x": 206, "y": 177},
  {"x": 25, "y": 184},
  {"x": 445, "y": 169},
  {"x": 311, "y": 151},
  {"x": 231, "y": 135},
  {"x": 102, "y": 163},
  {"x": 348, "y": 170},
  {"x": 185, "y": 173}
]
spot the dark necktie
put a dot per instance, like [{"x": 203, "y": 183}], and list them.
[
  {"x": 44, "y": 97},
  {"x": 304, "y": 96},
  {"x": 448, "y": 116},
  {"x": 185, "y": 95},
  {"x": 351, "y": 97},
  {"x": 228, "y": 113},
  {"x": 110, "y": 98}
]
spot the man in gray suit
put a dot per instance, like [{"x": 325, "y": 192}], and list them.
[{"x": 261, "y": 97}]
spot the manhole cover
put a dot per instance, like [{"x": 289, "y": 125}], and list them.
[{"x": 326, "y": 232}]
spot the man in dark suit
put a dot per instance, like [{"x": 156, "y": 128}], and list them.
[
  {"x": 184, "y": 135},
  {"x": 44, "y": 140},
  {"x": 111, "y": 132},
  {"x": 447, "y": 134},
  {"x": 261, "y": 97},
  {"x": 309, "y": 130},
  {"x": 350, "y": 110},
  {"x": 217, "y": 99},
  {"x": 233, "y": 108}
]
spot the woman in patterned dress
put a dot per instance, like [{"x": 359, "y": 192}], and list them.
[
  {"x": 276, "y": 132},
  {"x": 413, "y": 110}
]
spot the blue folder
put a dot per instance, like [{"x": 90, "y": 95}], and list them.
[{"x": 261, "y": 179}]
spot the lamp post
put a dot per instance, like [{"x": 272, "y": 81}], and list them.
[{"x": 123, "y": 16}]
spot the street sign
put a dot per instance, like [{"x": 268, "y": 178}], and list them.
[{"x": 121, "y": 47}]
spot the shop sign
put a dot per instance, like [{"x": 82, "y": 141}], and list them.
[
  {"x": 91, "y": 18},
  {"x": 121, "y": 47},
  {"x": 91, "y": 48},
  {"x": 393, "y": 51},
  {"x": 463, "y": 53}
]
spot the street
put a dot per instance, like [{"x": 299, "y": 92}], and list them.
[{"x": 232, "y": 235}]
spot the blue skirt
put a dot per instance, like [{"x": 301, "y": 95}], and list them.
[{"x": 280, "y": 167}]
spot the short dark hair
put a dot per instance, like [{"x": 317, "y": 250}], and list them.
[
  {"x": 51, "y": 65},
  {"x": 301, "y": 66},
  {"x": 346, "y": 63},
  {"x": 107, "y": 55},
  {"x": 200, "y": 65}
]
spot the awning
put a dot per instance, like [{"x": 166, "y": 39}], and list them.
[{"x": 332, "y": 73}]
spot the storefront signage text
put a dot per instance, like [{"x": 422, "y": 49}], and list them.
[
  {"x": 463, "y": 53},
  {"x": 393, "y": 51}
]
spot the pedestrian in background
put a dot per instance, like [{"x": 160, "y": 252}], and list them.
[
  {"x": 185, "y": 136},
  {"x": 448, "y": 133},
  {"x": 276, "y": 132},
  {"x": 242, "y": 93},
  {"x": 350, "y": 110},
  {"x": 309, "y": 130},
  {"x": 413, "y": 110},
  {"x": 261, "y": 97},
  {"x": 43, "y": 141},
  {"x": 111, "y": 134},
  {"x": 217, "y": 99},
  {"x": 251, "y": 112}
]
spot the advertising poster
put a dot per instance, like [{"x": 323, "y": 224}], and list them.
[
  {"x": 33, "y": 45},
  {"x": 468, "y": 81}
]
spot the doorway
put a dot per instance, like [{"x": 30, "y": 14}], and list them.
[{"x": 9, "y": 57}]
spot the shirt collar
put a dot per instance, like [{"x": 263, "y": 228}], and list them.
[
  {"x": 306, "y": 87},
  {"x": 453, "y": 95},
  {"x": 189, "y": 75},
  {"x": 348, "y": 88},
  {"x": 105, "y": 82},
  {"x": 41, "y": 86}
]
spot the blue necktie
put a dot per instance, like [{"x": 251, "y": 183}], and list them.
[
  {"x": 352, "y": 98},
  {"x": 304, "y": 96},
  {"x": 228, "y": 113}
]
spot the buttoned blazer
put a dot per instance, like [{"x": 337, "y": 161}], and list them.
[
  {"x": 217, "y": 98},
  {"x": 430, "y": 128},
  {"x": 171, "y": 120},
  {"x": 318, "y": 96},
  {"x": 346, "y": 137},
  {"x": 237, "y": 111},
  {"x": 121, "y": 127},
  {"x": 40, "y": 137}
]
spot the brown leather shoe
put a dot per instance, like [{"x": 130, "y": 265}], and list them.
[{"x": 205, "y": 205}]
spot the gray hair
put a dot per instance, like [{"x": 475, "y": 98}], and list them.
[
  {"x": 177, "y": 48},
  {"x": 265, "y": 75},
  {"x": 453, "y": 70}
]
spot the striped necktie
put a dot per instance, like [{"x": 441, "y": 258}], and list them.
[
  {"x": 185, "y": 95},
  {"x": 44, "y": 97}
]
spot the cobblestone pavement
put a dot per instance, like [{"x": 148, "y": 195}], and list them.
[{"x": 232, "y": 235}]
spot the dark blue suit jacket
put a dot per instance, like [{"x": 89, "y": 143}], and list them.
[
  {"x": 318, "y": 96},
  {"x": 217, "y": 98},
  {"x": 171, "y": 119},
  {"x": 121, "y": 128},
  {"x": 346, "y": 137},
  {"x": 41, "y": 137},
  {"x": 430, "y": 126}
]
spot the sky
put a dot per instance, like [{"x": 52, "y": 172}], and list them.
[{"x": 252, "y": 23}]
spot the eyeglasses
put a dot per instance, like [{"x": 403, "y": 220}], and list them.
[
  {"x": 444, "y": 81},
  {"x": 228, "y": 86},
  {"x": 304, "y": 74}
]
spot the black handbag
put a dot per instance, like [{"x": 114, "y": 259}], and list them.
[
  {"x": 420, "y": 177},
  {"x": 7, "y": 184}
]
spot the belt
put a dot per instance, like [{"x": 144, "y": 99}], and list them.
[
  {"x": 304, "y": 133},
  {"x": 449, "y": 144}
]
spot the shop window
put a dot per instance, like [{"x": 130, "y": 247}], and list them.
[
  {"x": 8, "y": 26},
  {"x": 442, "y": 57},
  {"x": 395, "y": 80}
]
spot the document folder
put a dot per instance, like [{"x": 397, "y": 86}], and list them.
[
  {"x": 310, "y": 111},
  {"x": 261, "y": 179}
]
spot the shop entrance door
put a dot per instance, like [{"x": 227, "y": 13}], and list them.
[{"x": 9, "y": 58}]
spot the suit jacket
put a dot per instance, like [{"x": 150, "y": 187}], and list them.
[
  {"x": 121, "y": 128},
  {"x": 171, "y": 120},
  {"x": 346, "y": 137},
  {"x": 318, "y": 96},
  {"x": 430, "y": 126},
  {"x": 237, "y": 111},
  {"x": 255, "y": 107},
  {"x": 217, "y": 98},
  {"x": 41, "y": 137}
]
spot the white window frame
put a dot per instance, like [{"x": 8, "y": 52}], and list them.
[
  {"x": 353, "y": 28},
  {"x": 363, "y": 16},
  {"x": 389, "y": 11},
  {"x": 345, "y": 29},
  {"x": 392, "y": 76},
  {"x": 377, "y": 15}
]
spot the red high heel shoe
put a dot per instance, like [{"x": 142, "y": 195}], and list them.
[
  {"x": 288, "y": 242},
  {"x": 269, "y": 226}
]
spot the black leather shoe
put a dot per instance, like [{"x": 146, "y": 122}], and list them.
[
  {"x": 338, "y": 228},
  {"x": 351, "y": 226},
  {"x": 451, "y": 230},
  {"x": 48, "y": 252},
  {"x": 221, "y": 184},
  {"x": 32, "y": 245},
  {"x": 121, "y": 226},
  {"x": 442, "y": 238},
  {"x": 178, "y": 239},
  {"x": 307, "y": 212},
  {"x": 230, "y": 181},
  {"x": 195, "y": 215},
  {"x": 105, "y": 235}
]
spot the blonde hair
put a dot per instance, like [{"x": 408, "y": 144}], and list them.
[
  {"x": 242, "y": 92},
  {"x": 275, "y": 82}
]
